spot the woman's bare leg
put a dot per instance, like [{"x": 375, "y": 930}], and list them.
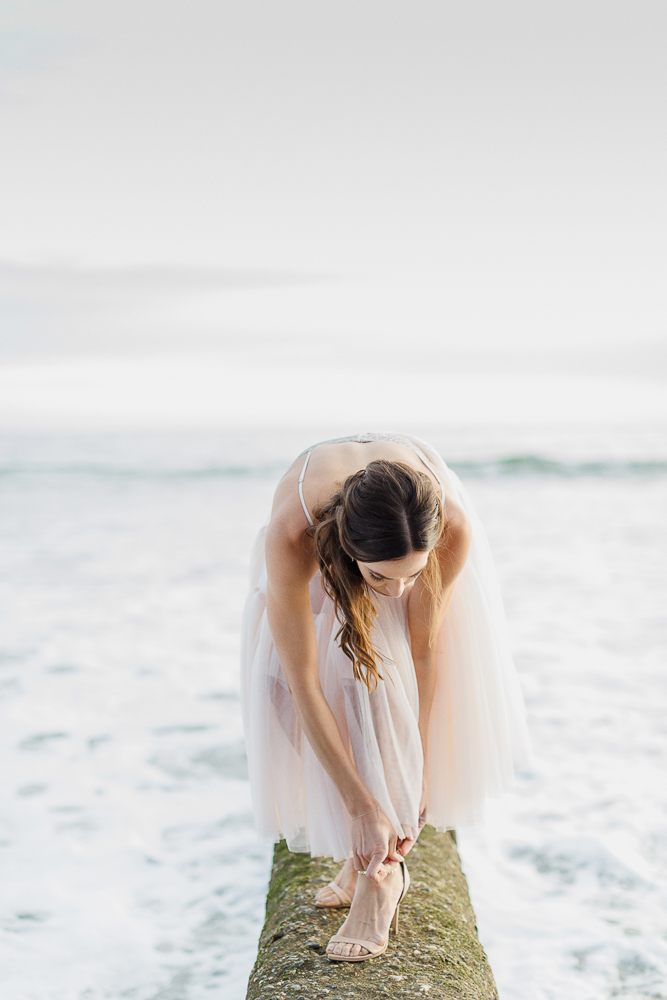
[
  {"x": 371, "y": 912},
  {"x": 346, "y": 879}
]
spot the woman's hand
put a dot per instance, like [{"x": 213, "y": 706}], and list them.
[
  {"x": 374, "y": 843},
  {"x": 406, "y": 845}
]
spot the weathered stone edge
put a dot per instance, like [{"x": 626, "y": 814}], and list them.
[{"x": 437, "y": 953}]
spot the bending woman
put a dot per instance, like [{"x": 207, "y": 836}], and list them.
[{"x": 378, "y": 688}]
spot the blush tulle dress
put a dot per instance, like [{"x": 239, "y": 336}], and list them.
[{"x": 477, "y": 731}]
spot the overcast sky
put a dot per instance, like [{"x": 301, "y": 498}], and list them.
[{"x": 466, "y": 175}]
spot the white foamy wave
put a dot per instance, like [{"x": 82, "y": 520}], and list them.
[{"x": 133, "y": 869}]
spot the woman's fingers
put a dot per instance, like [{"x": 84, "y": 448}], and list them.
[
  {"x": 374, "y": 866},
  {"x": 405, "y": 846},
  {"x": 375, "y": 843},
  {"x": 359, "y": 862}
]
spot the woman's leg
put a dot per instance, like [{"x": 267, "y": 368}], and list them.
[
  {"x": 346, "y": 879},
  {"x": 371, "y": 913}
]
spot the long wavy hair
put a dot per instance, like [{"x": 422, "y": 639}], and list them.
[{"x": 385, "y": 511}]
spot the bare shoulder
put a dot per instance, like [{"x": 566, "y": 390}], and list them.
[
  {"x": 289, "y": 551},
  {"x": 454, "y": 546},
  {"x": 457, "y": 535}
]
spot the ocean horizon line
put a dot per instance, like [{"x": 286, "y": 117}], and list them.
[{"x": 518, "y": 465}]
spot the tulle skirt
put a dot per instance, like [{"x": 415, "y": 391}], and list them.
[{"x": 477, "y": 731}]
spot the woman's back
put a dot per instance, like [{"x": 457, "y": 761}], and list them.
[{"x": 330, "y": 463}]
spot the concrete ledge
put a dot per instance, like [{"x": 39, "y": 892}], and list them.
[{"x": 437, "y": 953}]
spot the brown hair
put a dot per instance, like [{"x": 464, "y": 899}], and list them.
[{"x": 383, "y": 512}]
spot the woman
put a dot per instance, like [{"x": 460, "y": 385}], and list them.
[{"x": 378, "y": 688}]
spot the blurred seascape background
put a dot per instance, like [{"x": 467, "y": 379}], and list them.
[{"x": 228, "y": 231}]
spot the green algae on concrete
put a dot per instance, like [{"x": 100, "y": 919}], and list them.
[{"x": 437, "y": 953}]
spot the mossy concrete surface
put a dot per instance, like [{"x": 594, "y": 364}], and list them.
[{"x": 436, "y": 954}]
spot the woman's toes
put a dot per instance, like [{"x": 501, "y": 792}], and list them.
[{"x": 346, "y": 950}]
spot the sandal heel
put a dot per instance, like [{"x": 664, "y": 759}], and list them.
[{"x": 394, "y": 922}]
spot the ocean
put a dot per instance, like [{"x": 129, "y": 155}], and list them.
[{"x": 131, "y": 867}]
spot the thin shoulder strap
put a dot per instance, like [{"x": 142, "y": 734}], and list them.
[
  {"x": 437, "y": 477},
  {"x": 303, "y": 502}
]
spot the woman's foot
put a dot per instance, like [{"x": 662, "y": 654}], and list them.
[
  {"x": 370, "y": 915},
  {"x": 346, "y": 880}
]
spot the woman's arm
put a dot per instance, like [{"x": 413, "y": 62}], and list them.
[{"x": 290, "y": 568}]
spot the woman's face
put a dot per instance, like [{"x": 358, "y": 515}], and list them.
[{"x": 393, "y": 576}]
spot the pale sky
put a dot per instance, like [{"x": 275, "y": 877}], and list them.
[{"x": 466, "y": 179}]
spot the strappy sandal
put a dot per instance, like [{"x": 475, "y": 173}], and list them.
[
  {"x": 372, "y": 947},
  {"x": 344, "y": 898}
]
